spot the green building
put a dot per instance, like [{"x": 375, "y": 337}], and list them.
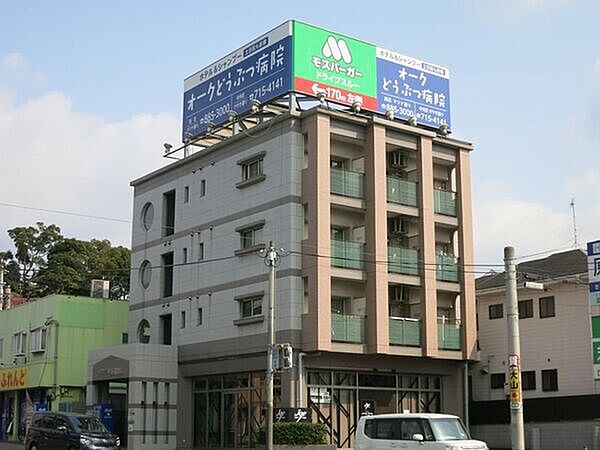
[{"x": 44, "y": 348}]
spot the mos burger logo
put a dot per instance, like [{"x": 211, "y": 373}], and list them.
[{"x": 336, "y": 49}]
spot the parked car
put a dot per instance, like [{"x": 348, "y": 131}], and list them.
[
  {"x": 414, "y": 432},
  {"x": 68, "y": 431}
]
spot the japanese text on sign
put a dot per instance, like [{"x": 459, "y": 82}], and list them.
[{"x": 13, "y": 378}]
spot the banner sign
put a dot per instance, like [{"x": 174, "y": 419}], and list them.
[
  {"x": 11, "y": 379},
  {"x": 306, "y": 59},
  {"x": 514, "y": 382},
  {"x": 593, "y": 251}
]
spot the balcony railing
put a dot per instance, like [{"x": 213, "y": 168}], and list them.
[
  {"x": 446, "y": 268},
  {"x": 401, "y": 191},
  {"x": 347, "y": 183},
  {"x": 449, "y": 334},
  {"x": 445, "y": 202},
  {"x": 347, "y": 328},
  {"x": 405, "y": 331},
  {"x": 347, "y": 254},
  {"x": 403, "y": 260}
]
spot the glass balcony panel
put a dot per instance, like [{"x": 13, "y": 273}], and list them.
[
  {"x": 403, "y": 260},
  {"x": 405, "y": 331},
  {"x": 447, "y": 268},
  {"x": 449, "y": 334},
  {"x": 347, "y": 254},
  {"x": 347, "y": 328},
  {"x": 401, "y": 191},
  {"x": 347, "y": 183},
  {"x": 445, "y": 202}
]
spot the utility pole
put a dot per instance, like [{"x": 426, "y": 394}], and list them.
[
  {"x": 272, "y": 258},
  {"x": 517, "y": 434}
]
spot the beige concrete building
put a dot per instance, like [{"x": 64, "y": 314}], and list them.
[
  {"x": 376, "y": 217},
  {"x": 560, "y": 395}
]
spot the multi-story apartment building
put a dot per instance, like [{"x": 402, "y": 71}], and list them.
[
  {"x": 376, "y": 217},
  {"x": 560, "y": 394},
  {"x": 44, "y": 348}
]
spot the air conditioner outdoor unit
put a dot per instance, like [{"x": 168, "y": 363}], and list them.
[
  {"x": 100, "y": 289},
  {"x": 400, "y": 294},
  {"x": 20, "y": 359},
  {"x": 397, "y": 225},
  {"x": 398, "y": 159}
]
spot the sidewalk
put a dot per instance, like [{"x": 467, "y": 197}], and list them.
[{"x": 11, "y": 445}]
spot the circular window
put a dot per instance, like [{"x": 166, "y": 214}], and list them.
[
  {"x": 147, "y": 216},
  {"x": 144, "y": 331},
  {"x": 145, "y": 274}
]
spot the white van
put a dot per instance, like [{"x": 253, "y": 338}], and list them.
[{"x": 414, "y": 432}]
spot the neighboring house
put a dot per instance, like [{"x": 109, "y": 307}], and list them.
[
  {"x": 561, "y": 398},
  {"x": 44, "y": 346}
]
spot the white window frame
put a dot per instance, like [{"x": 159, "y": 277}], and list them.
[
  {"x": 254, "y": 302},
  {"x": 19, "y": 341},
  {"x": 39, "y": 340}
]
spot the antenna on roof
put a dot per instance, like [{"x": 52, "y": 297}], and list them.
[{"x": 574, "y": 223}]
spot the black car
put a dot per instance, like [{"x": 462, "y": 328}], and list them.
[{"x": 68, "y": 431}]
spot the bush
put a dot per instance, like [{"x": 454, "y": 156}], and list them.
[{"x": 292, "y": 433}]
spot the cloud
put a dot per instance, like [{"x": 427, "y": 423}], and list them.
[
  {"x": 56, "y": 157},
  {"x": 14, "y": 68}
]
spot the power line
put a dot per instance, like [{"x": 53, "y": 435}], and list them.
[{"x": 68, "y": 213}]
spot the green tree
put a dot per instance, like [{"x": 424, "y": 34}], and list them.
[
  {"x": 32, "y": 245},
  {"x": 72, "y": 265},
  {"x": 11, "y": 270}
]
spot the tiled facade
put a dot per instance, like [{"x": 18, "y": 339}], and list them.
[{"x": 376, "y": 218}]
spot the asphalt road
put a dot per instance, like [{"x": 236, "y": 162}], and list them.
[{"x": 11, "y": 446}]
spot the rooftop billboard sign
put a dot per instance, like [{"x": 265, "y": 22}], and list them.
[{"x": 297, "y": 57}]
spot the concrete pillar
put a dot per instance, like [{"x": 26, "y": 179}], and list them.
[
  {"x": 465, "y": 259},
  {"x": 427, "y": 250},
  {"x": 316, "y": 195},
  {"x": 376, "y": 241}
]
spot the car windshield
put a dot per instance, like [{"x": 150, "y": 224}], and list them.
[
  {"x": 449, "y": 429},
  {"x": 88, "y": 423}
]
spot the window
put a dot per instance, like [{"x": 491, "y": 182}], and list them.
[
  {"x": 251, "y": 307},
  {"x": 497, "y": 380},
  {"x": 167, "y": 278},
  {"x": 186, "y": 194},
  {"x": 252, "y": 170},
  {"x": 201, "y": 251},
  {"x": 202, "y": 188},
  {"x": 145, "y": 274},
  {"x": 38, "y": 340},
  {"x": 184, "y": 256},
  {"x": 199, "y": 322},
  {"x": 550, "y": 380},
  {"x": 168, "y": 213},
  {"x": 147, "y": 216},
  {"x": 182, "y": 319},
  {"x": 525, "y": 309},
  {"x": 18, "y": 343},
  {"x": 496, "y": 311},
  {"x": 547, "y": 307},
  {"x": 124, "y": 338},
  {"x": 528, "y": 380},
  {"x": 251, "y": 237},
  {"x": 1, "y": 348}
]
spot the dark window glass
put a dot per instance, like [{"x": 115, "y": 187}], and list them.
[
  {"x": 367, "y": 379},
  {"x": 167, "y": 269},
  {"x": 168, "y": 213},
  {"x": 550, "y": 380},
  {"x": 528, "y": 380},
  {"x": 202, "y": 188},
  {"x": 186, "y": 194},
  {"x": 525, "y": 309},
  {"x": 547, "y": 307},
  {"x": 124, "y": 338},
  {"x": 496, "y": 311},
  {"x": 497, "y": 380}
]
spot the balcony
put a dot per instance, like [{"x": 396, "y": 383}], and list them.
[
  {"x": 405, "y": 331},
  {"x": 446, "y": 268},
  {"x": 347, "y": 254},
  {"x": 403, "y": 260},
  {"x": 347, "y": 183},
  {"x": 445, "y": 202},
  {"x": 401, "y": 191},
  {"x": 449, "y": 334},
  {"x": 347, "y": 328}
]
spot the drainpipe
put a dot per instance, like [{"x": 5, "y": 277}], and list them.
[
  {"x": 299, "y": 381},
  {"x": 466, "y": 393},
  {"x": 51, "y": 321}
]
